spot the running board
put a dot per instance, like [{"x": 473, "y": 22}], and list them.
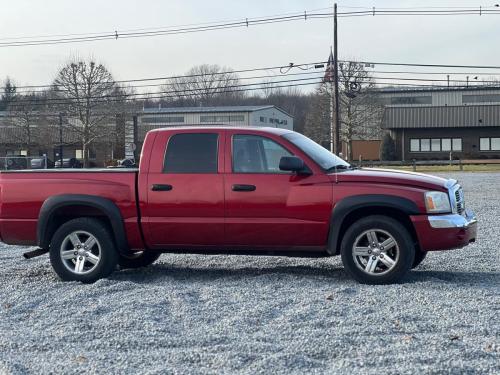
[{"x": 35, "y": 253}]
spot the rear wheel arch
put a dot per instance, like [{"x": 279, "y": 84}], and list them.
[
  {"x": 57, "y": 210},
  {"x": 351, "y": 209}
]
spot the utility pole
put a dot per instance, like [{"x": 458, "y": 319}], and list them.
[
  {"x": 336, "y": 113},
  {"x": 61, "y": 138}
]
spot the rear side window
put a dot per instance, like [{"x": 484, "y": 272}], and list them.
[{"x": 191, "y": 153}]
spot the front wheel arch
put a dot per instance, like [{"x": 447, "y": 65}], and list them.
[{"x": 354, "y": 208}]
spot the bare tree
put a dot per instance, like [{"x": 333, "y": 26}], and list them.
[
  {"x": 27, "y": 119},
  {"x": 360, "y": 111},
  {"x": 203, "y": 85},
  {"x": 318, "y": 118},
  {"x": 87, "y": 94},
  {"x": 8, "y": 93}
]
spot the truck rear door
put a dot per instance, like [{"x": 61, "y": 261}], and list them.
[{"x": 185, "y": 190}]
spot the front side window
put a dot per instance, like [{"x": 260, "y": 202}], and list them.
[
  {"x": 255, "y": 154},
  {"x": 324, "y": 158},
  {"x": 191, "y": 153}
]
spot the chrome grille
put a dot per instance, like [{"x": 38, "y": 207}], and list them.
[{"x": 459, "y": 200}]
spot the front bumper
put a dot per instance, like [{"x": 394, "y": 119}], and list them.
[{"x": 444, "y": 232}]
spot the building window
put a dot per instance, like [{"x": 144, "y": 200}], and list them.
[
  {"x": 414, "y": 145},
  {"x": 457, "y": 144},
  {"x": 489, "y": 144},
  {"x": 271, "y": 120},
  {"x": 435, "y": 144},
  {"x": 162, "y": 119},
  {"x": 412, "y": 100},
  {"x": 425, "y": 144},
  {"x": 222, "y": 118},
  {"x": 237, "y": 118},
  {"x": 191, "y": 153},
  {"x": 262, "y": 119},
  {"x": 79, "y": 154},
  {"x": 446, "y": 144},
  {"x": 285, "y": 122},
  {"x": 487, "y": 98}
]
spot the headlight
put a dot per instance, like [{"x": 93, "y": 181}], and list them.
[{"x": 437, "y": 202}]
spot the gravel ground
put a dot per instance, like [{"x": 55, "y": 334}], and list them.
[{"x": 192, "y": 314}]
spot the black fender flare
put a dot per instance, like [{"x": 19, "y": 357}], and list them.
[
  {"x": 349, "y": 204},
  {"x": 107, "y": 207}
]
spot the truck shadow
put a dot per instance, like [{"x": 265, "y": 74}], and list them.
[
  {"x": 486, "y": 279},
  {"x": 162, "y": 271},
  {"x": 301, "y": 272}
]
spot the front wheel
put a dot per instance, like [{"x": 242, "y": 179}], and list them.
[
  {"x": 377, "y": 250},
  {"x": 83, "y": 250}
]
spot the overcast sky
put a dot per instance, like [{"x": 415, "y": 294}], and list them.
[{"x": 449, "y": 40}]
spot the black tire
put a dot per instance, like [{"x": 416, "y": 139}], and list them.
[
  {"x": 383, "y": 225},
  {"x": 138, "y": 259},
  {"x": 104, "y": 247},
  {"x": 419, "y": 258}
]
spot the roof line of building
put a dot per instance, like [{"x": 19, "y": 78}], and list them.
[{"x": 391, "y": 90}]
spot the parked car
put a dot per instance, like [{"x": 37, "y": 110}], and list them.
[
  {"x": 41, "y": 163},
  {"x": 68, "y": 163},
  {"x": 233, "y": 190},
  {"x": 14, "y": 162}
]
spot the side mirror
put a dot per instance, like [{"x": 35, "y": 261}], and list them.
[{"x": 293, "y": 164}]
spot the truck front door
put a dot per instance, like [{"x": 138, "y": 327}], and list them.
[
  {"x": 267, "y": 207},
  {"x": 185, "y": 190}
]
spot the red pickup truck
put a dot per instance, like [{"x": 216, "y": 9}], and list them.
[{"x": 233, "y": 190}]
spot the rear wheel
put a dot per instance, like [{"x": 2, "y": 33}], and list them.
[
  {"x": 419, "y": 258},
  {"x": 377, "y": 250},
  {"x": 138, "y": 259},
  {"x": 83, "y": 250}
]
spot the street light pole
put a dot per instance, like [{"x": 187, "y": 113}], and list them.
[{"x": 336, "y": 138}]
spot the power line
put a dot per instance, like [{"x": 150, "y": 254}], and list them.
[
  {"x": 303, "y": 66},
  {"x": 166, "y": 31},
  {"x": 241, "y": 23}
]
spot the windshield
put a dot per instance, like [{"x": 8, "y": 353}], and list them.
[{"x": 319, "y": 154}]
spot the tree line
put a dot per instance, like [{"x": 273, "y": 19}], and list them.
[{"x": 90, "y": 98}]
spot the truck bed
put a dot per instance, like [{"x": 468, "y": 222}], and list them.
[{"x": 22, "y": 194}]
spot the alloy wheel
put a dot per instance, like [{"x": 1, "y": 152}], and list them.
[
  {"x": 80, "y": 252},
  {"x": 375, "y": 252}
]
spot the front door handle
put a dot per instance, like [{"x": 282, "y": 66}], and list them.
[
  {"x": 160, "y": 187},
  {"x": 239, "y": 187}
]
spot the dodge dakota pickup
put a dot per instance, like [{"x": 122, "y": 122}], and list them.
[{"x": 237, "y": 190}]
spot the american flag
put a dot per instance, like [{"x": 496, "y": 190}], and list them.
[{"x": 329, "y": 72}]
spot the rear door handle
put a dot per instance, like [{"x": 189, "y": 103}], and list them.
[
  {"x": 160, "y": 187},
  {"x": 239, "y": 187}
]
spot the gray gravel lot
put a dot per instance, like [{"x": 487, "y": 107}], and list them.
[{"x": 192, "y": 314}]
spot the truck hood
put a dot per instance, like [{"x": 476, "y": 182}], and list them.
[{"x": 394, "y": 177}]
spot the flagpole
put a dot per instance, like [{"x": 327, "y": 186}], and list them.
[{"x": 332, "y": 115}]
